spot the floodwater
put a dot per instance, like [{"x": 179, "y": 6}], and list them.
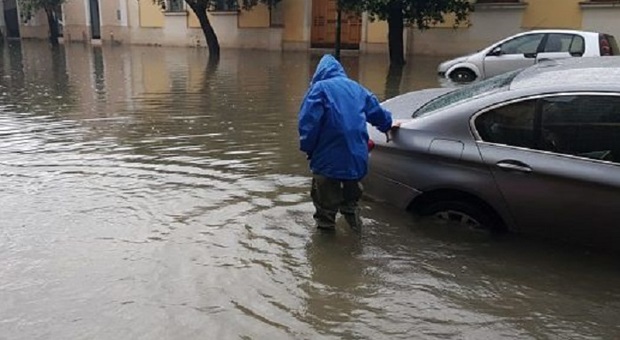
[{"x": 147, "y": 195}]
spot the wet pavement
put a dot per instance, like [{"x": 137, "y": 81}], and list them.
[{"x": 147, "y": 195}]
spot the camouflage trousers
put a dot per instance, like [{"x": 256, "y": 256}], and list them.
[{"x": 331, "y": 196}]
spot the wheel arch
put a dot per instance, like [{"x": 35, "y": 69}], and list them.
[
  {"x": 466, "y": 66},
  {"x": 427, "y": 198}
]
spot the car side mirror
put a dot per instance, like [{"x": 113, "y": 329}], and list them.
[{"x": 496, "y": 51}]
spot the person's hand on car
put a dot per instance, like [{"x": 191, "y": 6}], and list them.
[{"x": 395, "y": 126}]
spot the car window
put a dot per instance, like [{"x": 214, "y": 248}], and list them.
[
  {"x": 524, "y": 44},
  {"x": 468, "y": 92},
  {"x": 608, "y": 45},
  {"x": 577, "y": 45},
  {"x": 562, "y": 42},
  {"x": 585, "y": 126},
  {"x": 512, "y": 124}
]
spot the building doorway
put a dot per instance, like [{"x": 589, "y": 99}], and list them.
[
  {"x": 323, "y": 33},
  {"x": 95, "y": 22},
  {"x": 11, "y": 18}
]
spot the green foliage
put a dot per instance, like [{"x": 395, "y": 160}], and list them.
[
  {"x": 421, "y": 13},
  {"x": 356, "y": 6},
  {"x": 28, "y": 8}
]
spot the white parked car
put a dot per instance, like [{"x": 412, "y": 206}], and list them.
[{"x": 526, "y": 49}]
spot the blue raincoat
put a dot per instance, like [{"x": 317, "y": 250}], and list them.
[{"x": 332, "y": 122}]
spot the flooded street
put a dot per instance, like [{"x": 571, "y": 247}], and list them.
[{"x": 148, "y": 195}]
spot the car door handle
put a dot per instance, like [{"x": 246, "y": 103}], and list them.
[
  {"x": 511, "y": 165},
  {"x": 530, "y": 55}
]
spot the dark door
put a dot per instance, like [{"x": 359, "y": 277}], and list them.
[
  {"x": 95, "y": 24},
  {"x": 11, "y": 19},
  {"x": 323, "y": 32}
]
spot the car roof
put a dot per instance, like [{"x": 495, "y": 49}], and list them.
[
  {"x": 586, "y": 72},
  {"x": 559, "y": 30}
]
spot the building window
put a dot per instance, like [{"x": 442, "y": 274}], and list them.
[
  {"x": 224, "y": 6},
  {"x": 601, "y": 3},
  {"x": 175, "y": 6},
  {"x": 276, "y": 16}
]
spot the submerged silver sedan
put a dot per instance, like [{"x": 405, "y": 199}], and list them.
[{"x": 535, "y": 150}]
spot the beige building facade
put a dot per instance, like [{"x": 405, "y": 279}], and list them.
[
  {"x": 494, "y": 20},
  {"x": 305, "y": 24}
]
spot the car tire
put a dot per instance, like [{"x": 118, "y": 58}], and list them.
[
  {"x": 462, "y": 75},
  {"x": 466, "y": 214}
]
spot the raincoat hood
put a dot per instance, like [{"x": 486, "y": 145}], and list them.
[{"x": 328, "y": 67}]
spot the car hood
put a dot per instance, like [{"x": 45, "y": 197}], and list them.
[{"x": 403, "y": 106}]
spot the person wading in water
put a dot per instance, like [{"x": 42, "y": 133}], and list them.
[{"x": 333, "y": 134}]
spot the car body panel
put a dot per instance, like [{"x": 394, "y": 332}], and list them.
[
  {"x": 559, "y": 195},
  {"x": 392, "y": 176},
  {"x": 532, "y": 191},
  {"x": 544, "y": 56},
  {"x": 495, "y": 65},
  {"x": 446, "y": 149}
]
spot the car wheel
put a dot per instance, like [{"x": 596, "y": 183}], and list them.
[
  {"x": 462, "y": 75},
  {"x": 461, "y": 213}
]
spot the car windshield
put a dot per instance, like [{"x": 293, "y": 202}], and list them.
[{"x": 465, "y": 93}]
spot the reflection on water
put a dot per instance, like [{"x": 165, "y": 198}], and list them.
[{"x": 147, "y": 194}]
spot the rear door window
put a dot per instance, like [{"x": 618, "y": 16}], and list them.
[
  {"x": 564, "y": 42},
  {"x": 577, "y": 46},
  {"x": 585, "y": 126},
  {"x": 582, "y": 125},
  {"x": 557, "y": 43}
]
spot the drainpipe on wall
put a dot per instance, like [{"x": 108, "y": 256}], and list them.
[{"x": 338, "y": 33}]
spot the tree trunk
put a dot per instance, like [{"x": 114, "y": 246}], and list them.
[
  {"x": 393, "y": 80},
  {"x": 201, "y": 13},
  {"x": 53, "y": 25},
  {"x": 338, "y": 33},
  {"x": 396, "y": 26}
]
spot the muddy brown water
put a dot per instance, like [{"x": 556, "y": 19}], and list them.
[{"x": 146, "y": 195}]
